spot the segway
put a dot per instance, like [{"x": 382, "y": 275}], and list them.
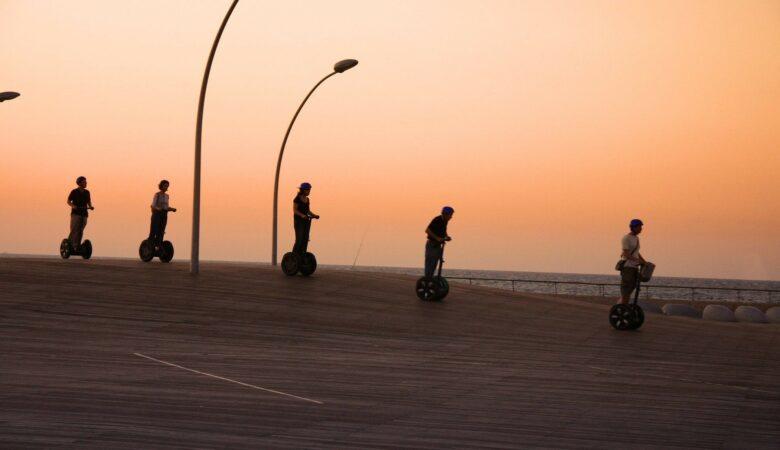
[
  {"x": 84, "y": 250},
  {"x": 293, "y": 263},
  {"x": 631, "y": 316},
  {"x": 436, "y": 288},
  {"x": 148, "y": 250}
]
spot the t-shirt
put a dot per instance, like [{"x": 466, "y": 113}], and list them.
[
  {"x": 160, "y": 200},
  {"x": 439, "y": 227},
  {"x": 630, "y": 242},
  {"x": 303, "y": 207},
  {"x": 80, "y": 198}
]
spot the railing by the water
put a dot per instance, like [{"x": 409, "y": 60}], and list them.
[{"x": 647, "y": 291}]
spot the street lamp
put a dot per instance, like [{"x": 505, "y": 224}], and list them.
[
  {"x": 8, "y": 96},
  {"x": 339, "y": 67},
  {"x": 195, "y": 256}
]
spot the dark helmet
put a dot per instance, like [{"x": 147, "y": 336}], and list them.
[
  {"x": 635, "y": 223},
  {"x": 163, "y": 182},
  {"x": 447, "y": 210},
  {"x": 305, "y": 186},
  {"x": 80, "y": 179}
]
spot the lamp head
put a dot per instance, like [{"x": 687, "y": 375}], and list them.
[
  {"x": 344, "y": 65},
  {"x": 12, "y": 95}
]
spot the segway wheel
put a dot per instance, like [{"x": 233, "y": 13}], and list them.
[
  {"x": 308, "y": 264},
  {"x": 621, "y": 317},
  {"x": 65, "y": 249},
  {"x": 166, "y": 252},
  {"x": 146, "y": 250},
  {"x": 443, "y": 288},
  {"x": 639, "y": 316},
  {"x": 427, "y": 289},
  {"x": 290, "y": 264},
  {"x": 86, "y": 249}
]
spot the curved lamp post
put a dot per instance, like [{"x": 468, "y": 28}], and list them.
[
  {"x": 339, "y": 67},
  {"x": 195, "y": 258},
  {"x": 8, "y": 96}
]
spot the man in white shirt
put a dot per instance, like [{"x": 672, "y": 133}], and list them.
[{"x": 633, "y": 259}]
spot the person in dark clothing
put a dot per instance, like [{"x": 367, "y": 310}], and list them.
[
  {"x": 302, "y": 218},
  {"x": 160, "y": 209},
  {"x": 80, "y": 203},
  {"x": 437, "y": 235}
]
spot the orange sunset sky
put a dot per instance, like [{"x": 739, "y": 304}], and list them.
[{"x": 546, "y": 124}]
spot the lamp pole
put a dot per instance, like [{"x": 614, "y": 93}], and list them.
[
  {"x": 8, "y": 96},
  {"x": 339, "y": 67},
  {"x": 195, "y": 256}
]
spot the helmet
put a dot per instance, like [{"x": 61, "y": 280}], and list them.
[
  {"x": 163, "y": 182},
  {"x": 305, "y": 186},
  {"x": 447, "y": 210},
  {"x": 80, "y": 179},
  {"x": 635, "y": 223}
]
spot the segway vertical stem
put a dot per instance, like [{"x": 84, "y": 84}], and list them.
[
  {"x": 441, "y": 258},
  {"x": 638, "y": 288},
  {"x": 639, "y": 315}
]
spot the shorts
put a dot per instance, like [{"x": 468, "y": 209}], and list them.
[{"x": 628, "y": 279}]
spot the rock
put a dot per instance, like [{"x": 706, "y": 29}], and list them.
[
  {"x": 677, "y": 309},
  {"x": 750, "y": 314},
  {"x": 650, "y": 308},
  {"x": 719, "y": 313},
  {"x": 773, "y": 314}
]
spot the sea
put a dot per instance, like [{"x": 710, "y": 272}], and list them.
[{"x": 663, "y": 288}]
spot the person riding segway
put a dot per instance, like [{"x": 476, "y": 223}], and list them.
[
  {"x": 80, "y": 203},
  {"x": 433, "y": 286},
  {"x": 155, "y": 245},
  {"x": 300, "y": 259},
  {"x": 633, "y": 270}
]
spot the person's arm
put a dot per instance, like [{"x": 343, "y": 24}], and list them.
[
  {"x": 69, "y": 201},
  {"x": 169, "y": 207},
  {"x": 627, "y": 254},
  {"x": 313, "y": 216},
  {"x": 433, "y": 235},
  {"x": 155, "y": 202},
  {"x": 298, "y": 212}
]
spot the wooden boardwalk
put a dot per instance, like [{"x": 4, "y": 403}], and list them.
[{"x": 486, "y": 368}]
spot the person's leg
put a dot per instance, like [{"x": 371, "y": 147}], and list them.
[
  {"x": 153, "y": 227},
  {"x": 306, "y": 233},
  {"x": 83, "y": 225},
  {"x": 432, "y": 256},
  {"x": 73, "y": 237},
  {"x": 628, "y": 279},
  {"x": 77, "y": 224},
  {"x": 298, "y": 236},
  {"x": 161, "y": 229}
]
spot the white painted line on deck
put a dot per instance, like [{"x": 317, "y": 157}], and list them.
[
  {"x": 227, "y": 379},
  {"x": 686, "y": 380}
]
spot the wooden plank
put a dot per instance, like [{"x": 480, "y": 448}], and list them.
[{"x": 485, "y": 368}]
